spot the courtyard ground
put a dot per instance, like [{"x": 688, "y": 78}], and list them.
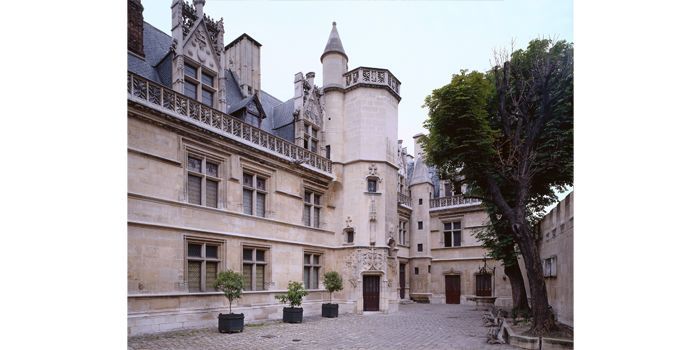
[{"x": 414, "y": 326}]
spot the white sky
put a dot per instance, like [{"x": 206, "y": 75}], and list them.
[{"x": 421, "y": 43}]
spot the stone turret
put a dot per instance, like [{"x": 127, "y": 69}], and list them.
[{"x": 334, "y": 60}]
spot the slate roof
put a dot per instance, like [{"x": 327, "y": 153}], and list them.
[{"x": 156, "y": 65}]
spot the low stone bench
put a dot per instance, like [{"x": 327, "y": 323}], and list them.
[{"x": 483, "y": 300}]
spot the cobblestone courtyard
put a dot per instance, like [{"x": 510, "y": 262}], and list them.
[{"x": 414, "y": 326}]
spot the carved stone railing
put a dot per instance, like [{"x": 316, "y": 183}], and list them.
[
  {"x": 153, "y": 94},
  {"x": 404, "y": 199},
  {"x": 364, "y": 76},
  {"x": 453, "y": 201}
]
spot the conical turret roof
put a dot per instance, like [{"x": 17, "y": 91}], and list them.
[{"x": 334, "y": 44}]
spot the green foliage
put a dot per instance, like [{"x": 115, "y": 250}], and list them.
[
  {"x": 231, "y": 283},
  {"x": 295, "y": 293},
  {"x": 333, "y": 282}
]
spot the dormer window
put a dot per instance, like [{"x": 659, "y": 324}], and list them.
[
  {"x": 199, "y": 84},
  {"x": 310, "y": 138}
]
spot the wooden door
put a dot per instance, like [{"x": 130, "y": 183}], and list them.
[
  {"x": 483, "y": 285},
  {"x": 452, "y": 290},
  {"x": 402, "y": 280},
  {"x": 370, "y": 293}
]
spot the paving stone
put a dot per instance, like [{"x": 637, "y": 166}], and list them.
[{"x": 414, "y": 326}]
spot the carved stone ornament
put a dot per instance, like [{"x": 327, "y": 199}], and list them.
[
  {"x": 372, "y": 170},
  {"x": 362, "y": 260},
  {"x": 372, "y": 210}
]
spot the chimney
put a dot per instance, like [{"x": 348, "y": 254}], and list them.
[
  {"x": 310, "y": 78},
  {"x": 199, "y": 7},
  {"x": 135, "y": 27},
  {"x": 417, "y": 148}
]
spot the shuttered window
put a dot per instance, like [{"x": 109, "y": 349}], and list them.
[
  {"x": 254, "y": 265},
  {"x": 254, "y": 194},
  {"x": 202, "y": 264},
  {"x": 202, "y": 178},
  {"x": 312, "y": 209}
]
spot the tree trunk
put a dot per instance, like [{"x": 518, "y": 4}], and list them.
[
  {"x": 542, "y": 317},
  {"x": 517, "y": 287}
]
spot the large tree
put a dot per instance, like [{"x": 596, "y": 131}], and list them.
[{"x": 509, "y": 133}]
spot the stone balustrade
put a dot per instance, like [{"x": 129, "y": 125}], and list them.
[
  {"x": 364, "y": 76},
  {"x": 452, "y": 201},
  {"x": 404, "y": 199},
  {"x": 182, "y": 107}
]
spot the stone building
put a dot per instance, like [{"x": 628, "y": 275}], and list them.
[{"x": 223, "y": 175}]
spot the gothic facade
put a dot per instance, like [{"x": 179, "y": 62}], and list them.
[{"x": 223, "y": 175}]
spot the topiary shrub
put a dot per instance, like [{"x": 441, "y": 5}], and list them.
[
  {"x": 333, "y": 282},
  {"x": 231, "y": 283},
  {"x": 295, "y": 293}
]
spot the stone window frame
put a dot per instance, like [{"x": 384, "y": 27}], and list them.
[
  {"x": 403, "y": 232},
  {"x": 349, "y": 232},
  {"x": 419, "y": 247},
  {"x": 452, "y": 231},
  {"x": 313, "y": 266},
  {"x": 311, "y": 137},
  {"x": 420, "y": 225},
  {"x": 199, "y": 152},
  {"x": 416, "y": 270},
  {"x": 255, "y": 262},
  {"x": 198, "y": 81},
  {"x": 549, "y": 266},
  {"x": 420, "y": 201},
  {"x": 219, "y": 260},
  {"x": 255, "y": 190},
  {"x": 313, "y": 204}
]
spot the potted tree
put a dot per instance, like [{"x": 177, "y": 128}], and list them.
[
  {"x": 333, "y": 283},
  {"x": 295, "y": 292},
  {"x": 231, "y": 283}
]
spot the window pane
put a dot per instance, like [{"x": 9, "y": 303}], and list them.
[
  {"x": 307, "y": 197},
  {"x": 316, "y": 257},
  {"x": 212, "y": 193},
  {"x": 307, "y": 283},
  {"x": 194, "y": 274},
  {"x": 212, "y": 251},
  {"x": 190, "y": 90},
  {"x": 458, "y": 238},
  {"x": 371, "y": 186},
  {"x": 194, "y": 164},
  {"x": 307, "y": 259},
  {"x": 448, "y": 226},
  {"x": 260, "y": 204},
  {"x": 190, "y": 71},
  {"x": 259, "y": 277},
  {"x": 211, "y": 275},
  {"x": 248, "y": 180},
  {"x": 207, "y": 98},
  {"x": 314, "y": 145},
  {"x": 456, "y": 225},
  {"x": 448, "y": 189},
  {"x": 248, "y": 276},
  {"x": 314, "y": 133},
  {"x": 207, "y": 79},
  {"x": 213, "y": 169},
  {"x": 307, "y": 215},
  {"x": 194, "y": 189},
  {"x": 317, "y": 199},
  {"x": 248, "y": 202},
  {"x": 194, "y": 249},
  {"x": 317, "y": 217},
  {"x": 314, "y": 278},
  {"x": 448, "y": 239},
  {"x": 260, "y": 183},
  {"x": 247, "y": 254},
  {"x": 351, "y": 236},
  {"x": 259, "y": 255}
]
